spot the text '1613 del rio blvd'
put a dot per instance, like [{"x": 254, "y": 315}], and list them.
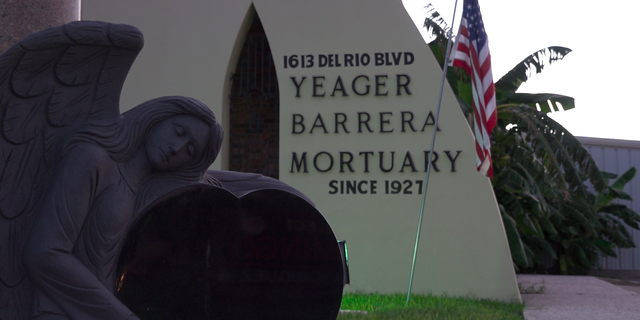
[{"x": 347, "y": 60}]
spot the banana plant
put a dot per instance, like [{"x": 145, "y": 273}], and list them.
[{"x": 555, "y": 202}]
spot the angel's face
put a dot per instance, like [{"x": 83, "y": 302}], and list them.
[{"x": 175, "y": 142}]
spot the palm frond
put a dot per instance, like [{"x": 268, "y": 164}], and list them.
[
  {"x": 546, "y": 102},
  {"x": 511, "y": 81},
  {"x": 563, "y": 155},
  {"x": 435, "y": 23}
]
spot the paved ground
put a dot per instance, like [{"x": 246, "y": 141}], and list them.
[
  {"x": 607, "y": 297},
  {"x": 626, "y": 279}
]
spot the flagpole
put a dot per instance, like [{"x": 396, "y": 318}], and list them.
[{"x": 433, "y": 142}]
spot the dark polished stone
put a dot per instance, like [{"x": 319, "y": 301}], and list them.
[{"x": 202, "y": 253}]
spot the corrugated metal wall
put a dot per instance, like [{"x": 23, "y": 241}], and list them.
[{"x": 617, "y": 156}]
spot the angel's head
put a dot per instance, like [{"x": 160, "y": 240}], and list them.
[
  {"x": 140, "y": 126},
  {"x": 178, "y": 134}
]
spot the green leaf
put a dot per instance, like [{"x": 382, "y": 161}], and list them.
[
  {"x": 573, "y": 230},
  {"x": 630, "y": 217},
  {"x": 548, "y": 249},
  {"x": 511, "y": 81},
  {"x": 620, "y": 194},
  {"x": 517, "y": 247},
  {"x": 541, "y": 100},
  {"x": 605, "y": 247},
  {"x": 434, "y": 22},
  {"x": 465, "y": 93},
  {"x": 624, "y": 179},
  {"x": 605, "y": 197},
  {"x": 563, "y": 264}
]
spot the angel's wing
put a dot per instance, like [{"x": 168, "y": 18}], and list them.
[{"x": 49, "y": 82}]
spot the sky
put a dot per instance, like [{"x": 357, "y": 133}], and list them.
[{"x": 602, "y": 73}]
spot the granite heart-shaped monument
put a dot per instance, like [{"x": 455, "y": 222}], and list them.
[{"x": 202, "y": 253}]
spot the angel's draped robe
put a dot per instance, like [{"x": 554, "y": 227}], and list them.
[{"x": 77, "y": 235}]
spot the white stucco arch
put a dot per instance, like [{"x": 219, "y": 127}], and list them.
[{"x": 192, "y": 48}]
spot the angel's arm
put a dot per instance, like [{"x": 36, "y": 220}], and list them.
[{"x": 48, "y": 253}]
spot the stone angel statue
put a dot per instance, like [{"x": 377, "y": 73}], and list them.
[{"x": 74, "y": 172}]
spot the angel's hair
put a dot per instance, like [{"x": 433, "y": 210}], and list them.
[{"x": 124, "y": 137}]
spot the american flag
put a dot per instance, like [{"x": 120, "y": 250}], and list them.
[{"x": 471, "y": 53}]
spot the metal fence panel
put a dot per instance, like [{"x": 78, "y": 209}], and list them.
[{"x": 618, "y": 156}]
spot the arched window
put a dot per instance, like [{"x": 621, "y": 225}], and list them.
[{"x": 254, "y": 108}]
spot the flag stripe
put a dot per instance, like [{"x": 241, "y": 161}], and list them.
[{"x": 472, "y": 54}]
